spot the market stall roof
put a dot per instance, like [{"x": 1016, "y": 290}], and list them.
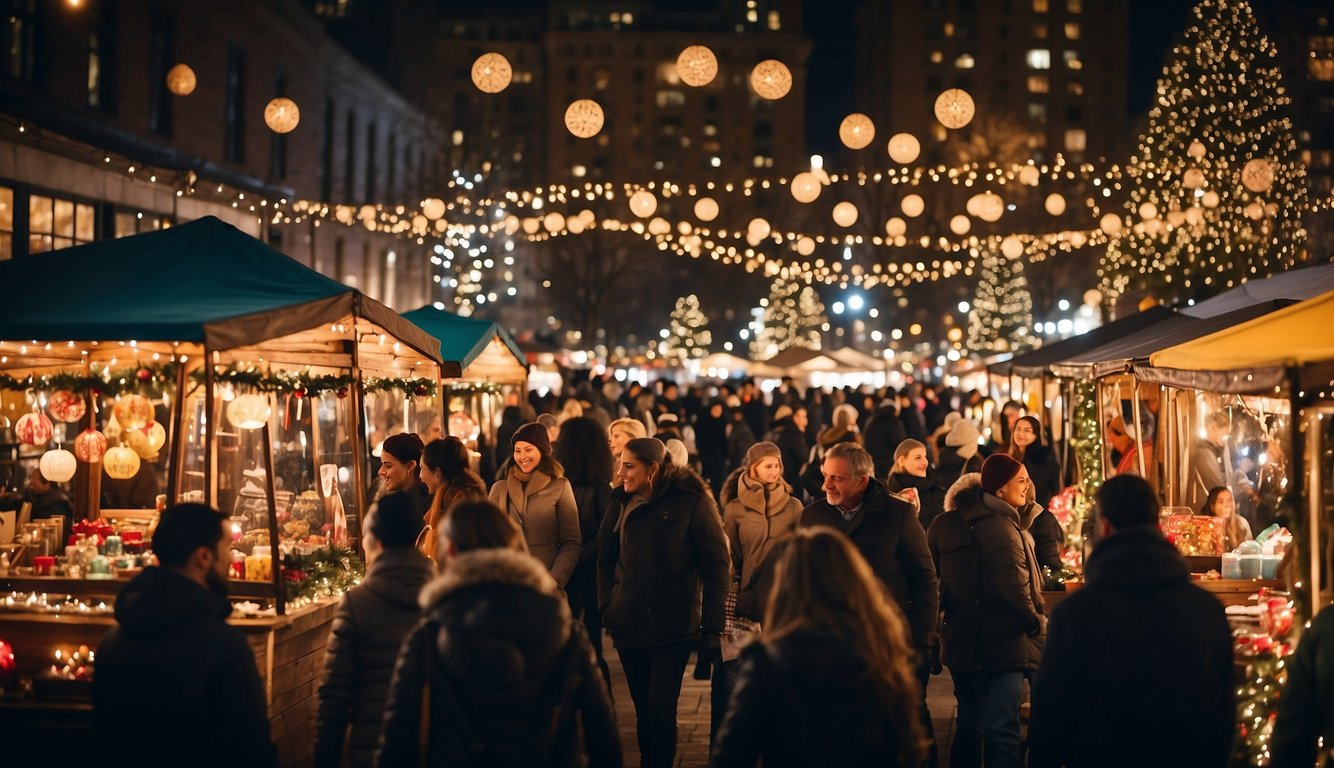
[
  {"x": 857, "y": 359},
  {"x": 202, "y": 283},
  {"x": 738, "y": 365},
  {"x": 1033, "y": 364},
  {"x": 1120, "y": 355},
  {"x": 803, "y": 360},
  {"x": 1294, "y": 285},
  {"x": 1253, "y": 356},
  {"x": 472, "y": 348}
]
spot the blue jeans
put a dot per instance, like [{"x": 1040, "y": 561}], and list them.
[{"x": 988, "y": 729}]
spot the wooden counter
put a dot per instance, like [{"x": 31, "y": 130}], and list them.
[
  {"x": 1228, "y": 591},
  {"x": 289, "y": 653}
]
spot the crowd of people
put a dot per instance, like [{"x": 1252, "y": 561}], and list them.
[{"x": 820, "y": 556}]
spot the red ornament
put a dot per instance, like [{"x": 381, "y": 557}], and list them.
[
  {"x": 8, "y": 667},
  {"x": 96, "y": 393},
  {"x": 342, "y": 392},
  {"x": 420, "y": 390},
  {"x": 33, "y": 429},
  {"x": 300, "y": 392},
  {"x": 66, "y": 406},
  {"x": 144, "y": 374}
]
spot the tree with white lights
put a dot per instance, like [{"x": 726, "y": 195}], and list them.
[
  {"x": 1001, "y": 318},
  {"x": 689, "y": 328},
  {"x": 793, "y": 316}
]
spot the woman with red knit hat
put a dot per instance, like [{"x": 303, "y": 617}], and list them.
[{"x": 538, "y": 498}]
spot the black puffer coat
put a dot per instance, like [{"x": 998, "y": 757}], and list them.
[
  {"x": 807, "y": 700},
  {"x": 368, "y": 631},
  {"x": 990, "y": 585},
  {"x": 509, "y": 671},
  {"x": 930, "y": 494},
  {"x": 1138, "y": 611},
  {"x": 663, "y": 571}
]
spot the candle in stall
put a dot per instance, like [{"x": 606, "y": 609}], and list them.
[
  {"x": 43, "y": 564},
  {"x": 114, "y": 546}
]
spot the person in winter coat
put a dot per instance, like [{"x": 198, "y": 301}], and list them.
[
  {"x": 368, "y": 630},
  {"x": 884, "y": 433},
  {"x": 400, "y": 470},
  {"x": 843, "y": 430},
  {"x": 445, "y": 471},
  {"x": 586, "y": 456},
  {"x": 497, "y": 672},
  {"x": 887, "y": 533},
  {"x": 911, "y": 480},
  {"x": 832, "y": 683},
  {"x": 663, "y": 571},
  {"x": 740, "y": 437},
  {"x": 173, "y": 664},
  {"x": 758, "y": 514},
  {"x": 711, "y": 439},
  {"x": 1138, "y": 610},
  {"x": 993, "y": 621},
  {"x": 788, "y": 432},
  {"x": 537, "y": 497},
  {"x": 622, "y": 431},
  {"x": 936, "y": 443},
  {"x": 47, "y": 499},
  {"x": 1306, "y": 708},
  {"x": 960, "y": 456},
  {"x": 1044, "y": 470},
  {"x": 914, "y": 426}
]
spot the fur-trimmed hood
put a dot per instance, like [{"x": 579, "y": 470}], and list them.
[
  {"x": 965, "y": 492},
  {"x": 487, "y": 566}
]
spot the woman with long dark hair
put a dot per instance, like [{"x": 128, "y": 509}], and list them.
[
  {"x": 585, "y": 454},
  {"x": 833, "y": 681},
  {"x": 445, "y": 471},
  {"x": 1221, "y": 503},
  {"x": 1044, "y": 471}
]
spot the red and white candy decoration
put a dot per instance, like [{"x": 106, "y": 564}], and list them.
[
  {"x": 90, "y": 446},
  {"x": 66, "y": 406},
  {"x": 33, "y": 429}
]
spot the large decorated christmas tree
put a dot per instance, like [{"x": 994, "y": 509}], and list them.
[
  {"x": 1216, "y": 188},
  {"x": 793, "y": 316},
  {"x": 1001, "y": 318},
  {"x": 689, "y": 327}
]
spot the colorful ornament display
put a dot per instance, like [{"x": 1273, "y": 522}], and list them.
[
  {"x": 133, "y": 412},
  {"x": 66, "y": 406},
  {"x": 33, "y": 429},
  {"x": 491, "y": 73},
  {"x": 121, "y": 463},
  {"x": 58, "y": 465},
  {"x": 90, "y": 446}
]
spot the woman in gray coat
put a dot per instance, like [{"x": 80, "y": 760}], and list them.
[{"x": 538, "y": 498}]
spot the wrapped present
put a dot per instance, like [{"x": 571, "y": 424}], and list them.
[{"x": 1195, "y": 535}]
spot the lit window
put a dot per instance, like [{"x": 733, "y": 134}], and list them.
[
  {"x": 710, "y": 129},
  {"x": 1075, "y": 140},
  {"x": 579, "y": 171},
  {"x": 1071, "y": 59},
  {"x": 1040, "y": 6},
  {"x": 1321, "y": 63},
  {"x": 671, "y": 99},
  {"x": 54, "y": 223},
  {"x": 752, "y": 16},
  {"x": 7, "y": 223},
  {"x": 667, "y": 73},
  {"x": 1074, "y": 6},
  {"x": 1037, "y": 112},
  {"x": 1072, "y": 30},
  {"x": 949, "y": 29},
  {"x": 1074, "y": 88},
  {"x": 1040, "y": 31},
  {"x": 937, "y": 57},
  {"x": 1038, "y": 58},
  {"x": 965, "y": 61},
  {"x": 716, "y": 162},
  {"x": 1037, "y": 84},
  {"x": 601, "y": 78}
]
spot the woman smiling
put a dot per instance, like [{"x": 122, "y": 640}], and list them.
[{"x": 538, "y": 498}]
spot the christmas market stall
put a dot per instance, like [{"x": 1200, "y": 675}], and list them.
[{"x": 195, "y": 364}]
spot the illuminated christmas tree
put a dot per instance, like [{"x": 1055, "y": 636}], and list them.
[
  {"x": 1216, "y": 188},
  {"x": 1001, "y": 318},
  {"x": 793, "y": 316},
  {"x": 690, "y": 337}
]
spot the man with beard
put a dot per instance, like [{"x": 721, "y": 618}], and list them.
[{"x": 172, "y": 662}]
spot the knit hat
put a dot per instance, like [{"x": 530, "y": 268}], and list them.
[
  {"x": 395, "y": 521},
  {"x": 951, "y": 418},
  {"x": 761, "y": 451},
  {"x": 648, "y": 449},
  {"x": 964, "y": 432},
  {"x": 997, "y": 470},
  {"x": 783, "y": 412},
  {"x": 535, "y": 434},
  {"x": 405, "y": 446},
  {"x": 679, "y": 453},
  {"x": 667, "y": 418},
  {"x": 850, "y": 410}
]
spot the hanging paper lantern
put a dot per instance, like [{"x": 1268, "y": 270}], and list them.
[
  {"x": 462, "y": 426},
  {"x": 584, "y": 118},
  {"x": 181, "y": 80},
  {"x": 90, "y": 446},
  {"x": 281, "y": 115},
  {"x": 1148, "y": 211},
  {"x": 895, "y": 227},
  {"x": 1193, "y": 179},
  {"x": 805, "y": 245},
  {"x": 531, "y": 225},
  {"x": 575, "y": 225},
  {"x": 706, "y": 209},
  {"x": 33, "y": 429},
  {"x": 491, "y": 73},
  {"x": 912, "y": 206},
  {"x": 987, "y": 206},
  {"x": 249, "y": 411},
  {"x": 758, "y": 228},
  {"x": 1196, "y": 149},
  {"x": 133, "y": 411},
  {"x": 904, "y": 148},
  {"x": 66, "y": 406},
  {"x": 433, "y": 208},
  {"x": 553, "y": 222},
  {"x": 856, "y": 131},
  {"x": 1029, "y": 175},
  {"x": 771, "y": 79},
  {"x": 147, "y": 442},
  {"x": 121, "y": 463},
  {"x": 960, "y": 225},
  {"x": 1055, "y": 204},
  {"x": 643, "y": 203},
  {"x": 1012, "y": 247},
  {"x": 1111, "y": 224},
  {"x": 697, "y": 66},
  {"x": 805, "y": 187},
  {"x": 57, "y": 465},
  {"x": 955, "y": 108},
  {"x": 845, "y": 214},
  {"x": 1257, "y": 175}
]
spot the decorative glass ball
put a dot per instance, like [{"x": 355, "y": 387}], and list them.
[
  {"x": 960, "y": 225},
  {"x": 33, "y": 429},
  {"x": 282, "y": 115},
  {"x": 249, "y": 411},
  {"x": 771, "y": 79},
  {"x": 856, "y": 131},
  {"x": 912, "y": 206},
  {"x": 90, "y": 446},
  {"x": 706, "y": 209},
  {"x": 181, "y": 80},
  {"x": 805, "y": 187},
  {"x": 904, "y": 148},
  {"x": 643, "y": 203},
  {"x": 697, "y": 66},
  {"x": 584, "y": 118},
  {"x": 133, "y": 411},
  {"x": 845, "y": 214},
  {"x": 491, "y": 73},
  {"x": 66, "y": 406},
  {"x": 955, "y": 108},
  {"x": 1055, "y": 204},
  {"x": 58, "y": 465},
  {"x": 121, "y": 463}
]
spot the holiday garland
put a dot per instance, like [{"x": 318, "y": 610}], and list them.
[
  {"x": 162, "y": 378},
  {"x": 328, "y": 571}
]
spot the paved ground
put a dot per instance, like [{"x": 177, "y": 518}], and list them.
[{"x": 693, "y": 715}]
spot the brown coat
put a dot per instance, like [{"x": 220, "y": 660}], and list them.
[{"x": 549, "y": 518}]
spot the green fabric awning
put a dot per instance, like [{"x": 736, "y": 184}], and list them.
[{"x": 462, "y": 340}]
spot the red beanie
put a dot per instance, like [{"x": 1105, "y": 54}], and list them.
[
  {"x": 997, "y": 470},
  {"x": 536, "y": 434}
]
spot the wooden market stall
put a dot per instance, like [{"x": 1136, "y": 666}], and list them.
[{"x": 201, "y": 365}]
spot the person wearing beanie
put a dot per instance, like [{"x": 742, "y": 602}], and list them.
[
  {"x": 937, "y": 442},
  {"x": 663, "y": 572},
  {"x": 400, "y": 470},
  {"x": 994, "y": 623},
  {"x": 960, "y": 454},
  {"x": 759, "y": 512},
  {"x": 539, "y": 499},
  {"x": 372, "y": 620}
]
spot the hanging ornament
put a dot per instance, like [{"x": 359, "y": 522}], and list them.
[
  {"x": 491, "y": 73},
  {"x": 143, "y": 374},
  {"x": 281, "y": 115},
  {"x": 57, "y": 465},
  {"x": 912, "y": 206},
  {"x": 147, "y": 442},
  {"x": 1055, "y": 204},
  {"x": 643, "y": 203},
  {"x": 66, "y": 406},
  {"x": 342, "y": 392},
  {"x": 249, "y": 411},
  {"x": 856, "y": 131},
  {"x": 706, "y": 209},
  {"x": 904, "y": 148},
  {"x": 771, "y": 79},
  {"x": 845, "y": 214},
  {"x": 90, "y": 446},
  {"x": 133, "y": 411},
  {"x": 1257, "y": 175},
  {"x": 697, "y": 66},
  {"x": 421, "y": 390},
  {"x": 181, "y": 80},
  {"x": 955, "y": 108},
  {"x": 33, "y": 429},
  {"x": 584, "y": 118},
  {"x": 121, "y": 463},
  {"x": 1196, "y": 149},
  {"x": 805, "y": 187}
]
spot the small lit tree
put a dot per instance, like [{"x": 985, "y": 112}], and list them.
[
  {"x": 793, "y": 316},
  {"x": 690, "y": 337},
  {"x": 1001, "y": 318}
]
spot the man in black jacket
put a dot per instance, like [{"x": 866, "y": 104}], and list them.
[
  {"x": 173, "y": 665},
  {"x": 887, "y": 533},
  {"x": 1137, "y": 611},
  {"x": 788, "y": 433}
]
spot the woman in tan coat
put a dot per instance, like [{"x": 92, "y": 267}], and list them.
[{"x": 538, "y": 498}]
